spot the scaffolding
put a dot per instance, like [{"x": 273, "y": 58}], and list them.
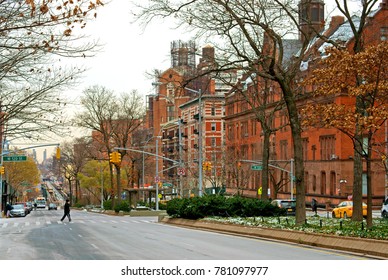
[{"x": 183, "y": 54}]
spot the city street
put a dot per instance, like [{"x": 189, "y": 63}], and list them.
[{"x": 92, "y": 236}]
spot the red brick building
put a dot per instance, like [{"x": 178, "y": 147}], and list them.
[
  {"x": 328, "y": 153},
  {"x": 173, "y": 116}
]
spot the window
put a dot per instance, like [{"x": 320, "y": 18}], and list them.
[
  {"x": 327, "y": 147},
  {"x": 213, "y": 141},
  {"x": 283, "y": 149},
  {"x": 305, "y": 142},
  {"x": 244, "y": 129},
  {"x": 213, "y": 126},
  {"x": 213, "y": 112},
  {"x": 323, "y": 182},
  {"x": 384, "y": 33},
  {"x": 365, "y": 146}
]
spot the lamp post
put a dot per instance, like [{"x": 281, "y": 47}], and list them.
[
  {"x": 200, "y": 180},
  {"x": 143, "y": 167},
  {"x": 156, "y": 175}
]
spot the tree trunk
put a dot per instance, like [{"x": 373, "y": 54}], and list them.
[
  {"x": 118, "y": 180},
  {"x": 357, "y": 180},
  {"x": 290, "y": 100},
  {"x": 369, "y": 222},
  {"x": 265, "y": 171}
]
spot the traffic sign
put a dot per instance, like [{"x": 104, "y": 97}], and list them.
[
  {"x": 256, "y": 167},
  {"x": 15, "y": 158},
  {"x": 181, "y": 171}
]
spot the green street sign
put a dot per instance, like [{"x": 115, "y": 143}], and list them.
[
  {"x": 257, "y": 167},
  {"x": 14, "y": 158}
]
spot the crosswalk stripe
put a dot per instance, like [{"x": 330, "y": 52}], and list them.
[{"x": 49, "y": 222}]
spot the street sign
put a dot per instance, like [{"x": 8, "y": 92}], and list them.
[
  {"x": 15, "y": 158},
  {"x": 256, "y": 167}
]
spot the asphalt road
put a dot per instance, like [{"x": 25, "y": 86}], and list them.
[{"x": 92, "y": 236}]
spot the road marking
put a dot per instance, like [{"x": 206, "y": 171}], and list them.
[
  {"x": 27, "y": 224},
  {"x": 48, "y": 222},
  {"x": 82, "y": 222},
  {"x": 113, "y": 221},
  {"x": 59, "y": 222},
  {"x": 93, "y": 222},
  {"x": 37, "y": 223},
  {"x": 80, "y": 235},
  {"x": 94, "y": 245},
  {"x": 5, "y": 225},
  {"x": 126, "y": 222},
  {"x": 15, "y": 224},
  {"x": 136, "y": 222},
  {"x": 103, "y": 221}
]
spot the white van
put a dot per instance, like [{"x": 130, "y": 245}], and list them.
[{"x": 384, "y": 209}]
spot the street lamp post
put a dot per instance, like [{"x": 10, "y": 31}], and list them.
[{"x": 156, "y": 175}]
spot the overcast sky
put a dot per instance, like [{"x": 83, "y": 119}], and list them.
[{"x": 128, "y": 51}]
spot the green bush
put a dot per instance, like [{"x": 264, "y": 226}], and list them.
[
  {"x": 123, "y": 206},
  {"x": 107, "y": 204},
  {"x": 218, "y": 205}
]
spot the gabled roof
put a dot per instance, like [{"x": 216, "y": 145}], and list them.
[{"x": 342, "y": 35}]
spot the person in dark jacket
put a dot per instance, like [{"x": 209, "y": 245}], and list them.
[
  {"x": 66, "y": 211},
  {"x": 314, "y": 205},
  {"x": 8, "y": 209}
]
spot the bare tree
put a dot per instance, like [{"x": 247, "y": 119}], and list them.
[
  {"x": 113, "y": 119},
  {"x": 37, "y": 40}
]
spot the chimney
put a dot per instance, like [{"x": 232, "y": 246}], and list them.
[{"x": 336, "y": 21}]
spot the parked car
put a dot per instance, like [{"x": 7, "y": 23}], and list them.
[
  {"x": 288, "y": 204},
  {"x": 30, "y": 206},
  {"x": 26, "y": 208},
  {"x": 345, "y": 210},
  {"x": 52, "y": 206},
  {"x": 384, "y": 209},
  {"x": 18, "y": 210}
]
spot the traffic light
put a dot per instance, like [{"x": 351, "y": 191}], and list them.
[
  {"x": 115, "y": 157},
  {"x": 239, "y": 165},
  {"x": 112, "y": 157},
  {"x": 2, "y": 170},
  {"x": 207, "y": 165},
  {"x": 58, "y": 153}
]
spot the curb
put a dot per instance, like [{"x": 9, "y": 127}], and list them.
[{"x": 369, "y": 247}]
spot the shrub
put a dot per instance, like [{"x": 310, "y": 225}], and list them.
[
  {"x": 218, "y": 205},
  {"x": 107, "y": 204},
  {"x": 123, "y": 206}
]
